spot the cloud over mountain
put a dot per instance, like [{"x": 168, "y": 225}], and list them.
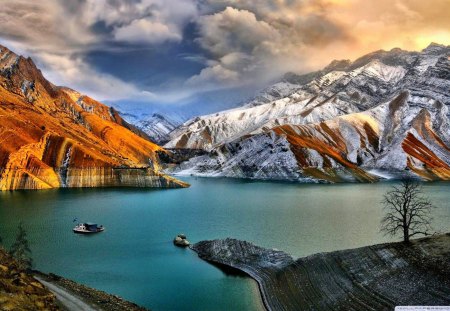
[{"x": 200, "y": 46}]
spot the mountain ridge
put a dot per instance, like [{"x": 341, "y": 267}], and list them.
[
  {"x": 397, "y": 100},
  {"x": 156, "y": 126},
  {"x": 55, "y": 137}
]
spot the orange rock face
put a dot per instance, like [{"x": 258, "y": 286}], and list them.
[
  {"x": 421, "y": 160},
  {"x": 54, "y": 137},
  {"x": 326, "y": 139}
]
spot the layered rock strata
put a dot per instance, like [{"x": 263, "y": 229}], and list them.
[{"x": 55, "y": 137}]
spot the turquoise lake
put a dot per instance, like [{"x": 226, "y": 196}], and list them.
[{"x": 135, "y": 257}]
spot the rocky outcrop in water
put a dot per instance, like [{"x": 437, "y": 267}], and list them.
[
  {"x": 385, "y": 115},
  {"x": 56, "y": 137},
  {"x": 376, "y": 277},
  {"x": 181, "y": 241}
]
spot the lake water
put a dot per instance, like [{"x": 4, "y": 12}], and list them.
[{"x": 135, "y": 257}]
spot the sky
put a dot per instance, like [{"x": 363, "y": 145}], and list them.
[{"x": 206, "y": 53}]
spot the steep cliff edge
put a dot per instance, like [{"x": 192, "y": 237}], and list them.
[
  {"x": 377, "y": 277},
  {"x": 55, "y": 137}
]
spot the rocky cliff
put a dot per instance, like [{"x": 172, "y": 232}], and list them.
[
  {"x": 385, "y": 115},
  {"x": 377, "y": 277},
  {"x": 55, "y": 137}
]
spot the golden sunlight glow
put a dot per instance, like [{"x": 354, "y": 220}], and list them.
[
  {"x": 367, "y": 26},
  {"x": 442, "y": 37}
]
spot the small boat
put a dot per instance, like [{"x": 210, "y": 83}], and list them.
[{"x": 88, "y": 228}]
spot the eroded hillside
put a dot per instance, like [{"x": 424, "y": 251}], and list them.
[{"x": 55, "y": 137}]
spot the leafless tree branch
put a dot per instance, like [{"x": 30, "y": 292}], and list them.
[{"x": 407, "y": 210}]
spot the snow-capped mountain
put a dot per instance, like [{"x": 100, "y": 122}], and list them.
[
  {"x": 292, "y": 82},
  {"x": 157, "y": 126},
  {"x": 385, "y": 114}
]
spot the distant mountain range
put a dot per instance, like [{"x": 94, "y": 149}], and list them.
[
  {"x": 384, "y": 115},
  {"x": 157, "y": 126},
  {"x": 53, "y": 136}
]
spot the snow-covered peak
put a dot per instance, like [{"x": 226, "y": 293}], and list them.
[
  {"x": 322, "y": 95},
  {"x": 383, "y": 72},
  {"x": 156, "y": 125}
]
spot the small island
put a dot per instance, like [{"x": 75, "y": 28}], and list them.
[{"x": 181, "y": 240}]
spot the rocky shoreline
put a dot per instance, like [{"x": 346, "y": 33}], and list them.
[
  {"x": 19, "y": 290},
  {"x": 99, "y": 300},
  {"x": 377, "y": 277},
  {"x": 24, "y": 290}
]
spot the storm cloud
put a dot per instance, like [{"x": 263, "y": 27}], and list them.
[{"x": 188, "y": 47}]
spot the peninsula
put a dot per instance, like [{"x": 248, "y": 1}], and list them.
[{"x": 377, "y": 277}]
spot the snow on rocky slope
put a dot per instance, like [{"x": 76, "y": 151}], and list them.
[
  {"x": 384, "y": 115},
  {"x": 341, "y": 88},
  {"x": 157, "y": 126}
]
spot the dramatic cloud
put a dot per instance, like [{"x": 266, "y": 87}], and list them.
[
  {"x": 253, "y": 48},
  {"x": 274, "y": 36},
  {"x": 42, "y": 23},
  {"x": 194, "y": 46},
  {"x": 145, "y": 30},
  {"x": 59, "y": 35},
  {"x": 233, "y": 30},
  {"x": 74, "y": 71},
  {"x": 236, "y": 40},
  {"x": 146, "y": 21}
]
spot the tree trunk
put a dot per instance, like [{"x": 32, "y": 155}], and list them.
[{"x": 406, "y": 234}]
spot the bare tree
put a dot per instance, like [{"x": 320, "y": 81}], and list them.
[{"x": 407, "y": 211}]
